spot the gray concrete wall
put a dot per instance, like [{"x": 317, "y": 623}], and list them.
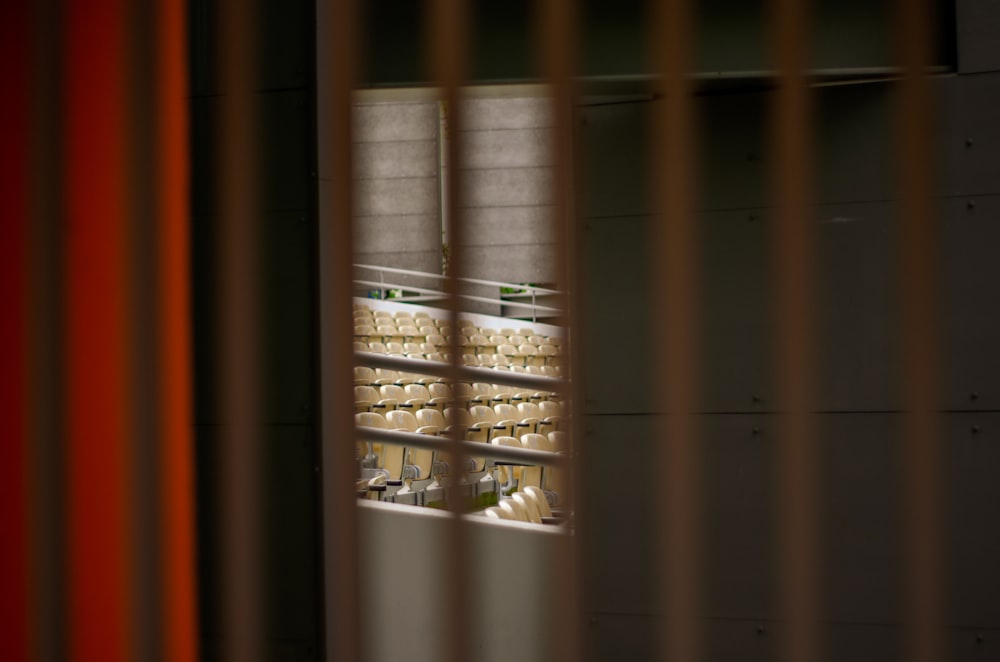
[{"x": 397, "y": 194}]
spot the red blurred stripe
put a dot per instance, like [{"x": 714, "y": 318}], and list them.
[
  {"x": 177, "y": 499},
  {"x": 98, "y": 458},
  {"x": 14, "y": 126}
]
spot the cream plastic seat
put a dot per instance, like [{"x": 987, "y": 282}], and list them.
[
  {"x": 417, "y": 394},
  {"x": 493, "y": 512},
  {"x": 364, "y": 375},
  {"x": 528, "y": 506},
  {"x": 516, "y": 339},
  {"x": 516, "y": 509},
  {"x": 364, "y": 332},
  {"x": 533, "y": 475},
  {"x": 540, "y": 501},
  {"x": 365, "y": 397},
  {"x": 390, "y": 456},
  {"x": 422, "y": 458},
  {"x": 360, "y": 346}
]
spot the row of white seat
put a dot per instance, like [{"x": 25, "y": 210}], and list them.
[
  {"x": 438, "y": 395},
  {"x": 408, "y": 464}
]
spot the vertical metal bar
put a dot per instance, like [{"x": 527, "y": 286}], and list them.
[
  {"x": 239, "y": 343},
  {"x": 99, "y": 403},
  {"x": 557, "y": 34},
  {"x": 49, "y": 534},
  {"x": 919, "y": 298},
  {"x": 140, "y": 79},
  {"x": 675, "y": 263},
  {"x": 15, "y": 551},
  {"x": 174, "y": 411},
  {"x": 336, "y": 243},
  {"x": 793, "y": 257},
  {"x": 448, "y": 30}
]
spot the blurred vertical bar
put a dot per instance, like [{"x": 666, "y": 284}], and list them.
[
  {"x": 792, "y": 244},
  {"x": 47, "y": 351},
  {"x": 141, "y": 87},
  {"x": 336, "y": 245},
  {"x": 99, "y": 341},
  {"x": 675, "y": 264},
  {"x": 238, "y": 343},
  {"x": 919, "y": 301},
  {"x": 174, "y": 411},
  {"x": 15, "y": 65},
  {"x": 448, "y": 32},
  {"x": 557, "y": 43}
]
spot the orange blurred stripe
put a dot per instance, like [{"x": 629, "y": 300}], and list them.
[
  {"x": 14, "y": 157},
  {"x": 174, "y": 370},
  {"x": 97, "y": 397}
]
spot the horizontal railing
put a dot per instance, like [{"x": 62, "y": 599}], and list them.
[
  {"x": 534, "y": 308},
  {"x": 465, "y": 373}
]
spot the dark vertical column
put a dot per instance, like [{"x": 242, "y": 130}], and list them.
[
  {"x": 674, "y": 260},
  {"x": 448, "y": 25},
  {"x": 238, "y": 343},
  {"x": 792, "y": 245},
  {"x": 336, "y": 242},
  {"x": 558, "y": 22},
  {"x": 47, "y": 349},
  {"x": 15, "y": 65},
  {"x": 918, "y": 284},
  {"x": 98, "y": 334},
  {"x": 143, "y": 305}
]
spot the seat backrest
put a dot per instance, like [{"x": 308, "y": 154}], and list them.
[
  {"x": 529, "y": 409},
  {"x": 393, "y": 392},
  {"x": 540, "y": 501},
  {"x": 506, "y": 411},
  {"x": 399, "y": 419},
  {"x": 482, "y": 413},
  {"x": 417, "y": 391},
  {"x": 528, "y": 505},
  {"x": 430, "y": 417}
]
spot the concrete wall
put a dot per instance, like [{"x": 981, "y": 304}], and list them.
[{"x": 397, "y": 190}]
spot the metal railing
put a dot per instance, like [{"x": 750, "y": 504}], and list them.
[{"x": 424, "y": 294}]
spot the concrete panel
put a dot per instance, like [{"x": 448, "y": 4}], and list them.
[
  {"x": 377, "y": 122},
  {"x": 396, "y": 159},
  {"x": 506, "y": 113},
  {"x": 396, "y": 197},
  {"x": 394, "y": 234},
  {"x": 508, "y": 187},
  {"x": 738, "y": 516},
  {"x": 971, "y": 450},
  {"x": 732, "y": 152},
  {"x": 512, "y": 263},
  {"x": 969, "y": 134},
  {"x": 616, "y": 316},
  {"x": 618, "y": 518},
  {"x": 970, "y": 322},
  {"x": 608, "y": 636},
  {"x": 854, "y": 149},
  {"x": 284, "y": 296},
  {"x": 287, "y": 518},
  {"x": 736, "y": 323},
  {"x": 511, "y": 596},
  {"x": 499, "y": 226},
  {"x": 864, "y": 642},
  {"x": 612, "y": 151},
  {"x": 857, "y": 309},
  {"x": 860, "y": 518},
  {"x": 507, "y": 148},
  {"x": 978, "y": 31}
]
